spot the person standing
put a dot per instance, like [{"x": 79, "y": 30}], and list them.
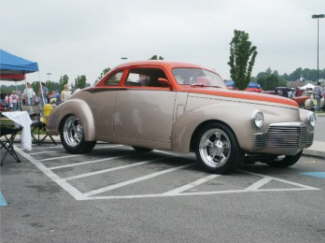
[
  {"x": 7, "y": 102},
  {"x": 65, "y": 93},
  {"x": 318, "y": 95},
  {"x": 29, "y": 94},
  {"x": 14, "y": 99}
]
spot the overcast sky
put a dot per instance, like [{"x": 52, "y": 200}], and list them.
[{"x": 84, "y": 37}]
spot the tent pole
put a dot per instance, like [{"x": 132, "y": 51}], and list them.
[
  {"x": 19, "y": 98},
  {"x": 41, "y": 87}
]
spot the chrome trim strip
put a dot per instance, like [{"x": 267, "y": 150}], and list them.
[{"x": 287, "y": 124}]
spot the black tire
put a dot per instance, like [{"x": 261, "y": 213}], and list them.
[
  {"x": 285, "y": 162},
  {"x": 74, "y": 145},
  {"x": 142, "y": 149},
  {"x": 226, "y": 145}
]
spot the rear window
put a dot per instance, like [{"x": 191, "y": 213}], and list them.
[{"x": 145, "y": 77}]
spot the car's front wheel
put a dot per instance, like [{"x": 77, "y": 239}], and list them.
[
  {"x": 284, "y": 161},
  {"x": 217, "y": 149},
  {"x": 73, "y": 137}
]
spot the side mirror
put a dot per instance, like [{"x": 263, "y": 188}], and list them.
[{"x": 164, "y": 82}]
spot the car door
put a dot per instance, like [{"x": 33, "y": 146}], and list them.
[
  {"x": 144, "y": 112},
  {"x": 102, "y": 101}
]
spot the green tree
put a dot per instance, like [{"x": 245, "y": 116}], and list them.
[
  {"x": 63, "y": 81},
  {"x": 270, "y": 79},
  {"x": 102, "y": 74},
  {"x": 156, "y": 57},
  {"x": 242, "y": 59},
  {"x": 52, "y": 85},
  {"x": 35, "y": 86},
  {"x": 296, "y": 74},
  {"x": 80, "y": 82}
]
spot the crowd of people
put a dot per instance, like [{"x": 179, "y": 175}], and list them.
[{"x": 14, "y": 101}]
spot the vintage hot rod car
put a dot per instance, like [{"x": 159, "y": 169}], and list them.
[{"x": 184, "y": 108}]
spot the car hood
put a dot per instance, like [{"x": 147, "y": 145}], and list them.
[{"x": 258, "y": 97}]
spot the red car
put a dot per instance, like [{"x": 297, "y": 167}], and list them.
[{"x": 283, "y": 91}]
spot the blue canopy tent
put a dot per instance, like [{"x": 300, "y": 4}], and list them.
[
  {"x": 254, "y": 85},
  {"x": 231, "y": 83},
  {"x": 14, "y": 68},
  {"x": 11, "y": 64}
]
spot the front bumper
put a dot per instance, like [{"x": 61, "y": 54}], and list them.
[{"x": 287, "y": 138}]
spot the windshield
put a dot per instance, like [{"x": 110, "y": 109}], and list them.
[{"x": 198, "y": 77}]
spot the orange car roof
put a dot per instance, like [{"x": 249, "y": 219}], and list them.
[{"x": 159, "y": 63}]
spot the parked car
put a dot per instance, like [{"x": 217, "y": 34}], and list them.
[
  {"x": 301, "y": 100},
  {"x": 285, "y": 92},
  {"x": 184, "y": 108}
]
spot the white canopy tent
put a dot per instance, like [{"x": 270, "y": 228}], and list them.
[{"x": 308, "y": 86}]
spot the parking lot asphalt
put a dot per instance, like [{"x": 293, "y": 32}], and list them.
[{"x": 115, "y": 194}]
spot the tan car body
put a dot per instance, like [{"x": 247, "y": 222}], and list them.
[{"x": 167, "y": 118}]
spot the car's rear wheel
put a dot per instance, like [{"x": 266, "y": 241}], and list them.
[
  {"x": 73, "y": 137},
  {"x": 142, "y": 149},
  {"x": 284, "y": 161},
  {"x": 217, "y": 149}
]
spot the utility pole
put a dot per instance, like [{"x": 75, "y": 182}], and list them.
[{"x": 318, "y": 16}]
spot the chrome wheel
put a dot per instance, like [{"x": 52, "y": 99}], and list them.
[
  {"x": 215, "y": 147},
  {"x": 72, "y": 131}
]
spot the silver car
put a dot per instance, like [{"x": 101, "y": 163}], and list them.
[{"x": 184, "y": 108}]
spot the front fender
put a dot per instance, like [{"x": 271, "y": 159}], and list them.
[
  {"x": 236, "y": 115},
  {"x": 187, "y": 123},
  {"x": 75, "y": 107}
]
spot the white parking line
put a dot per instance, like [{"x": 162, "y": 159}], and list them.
[
  {"x": 50, "y": 147},
  {"x": 138, "y": 179},
  {"x": 62, "y": 183},
  {"x": 179, "y": 191},
  {"x": 191, "y": 185},
  {"x": 61, "y": 157},
  {"x": 282, "y": 180},
  {"x": 75, "y": 155},
  {"x": 258, "y": 184},
  {"x": 43, "y": 152},
  {"x": 109, "y": 170},
  {"x": 86, "y": 162},
  {"x": 202, "y": 193}
]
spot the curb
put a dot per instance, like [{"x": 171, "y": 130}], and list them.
[{"x": 314, "y": 153}]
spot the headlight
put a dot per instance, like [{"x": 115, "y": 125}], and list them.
[
  {"x": 312, "y": 119},
  {"x": 258, "y": 119}
]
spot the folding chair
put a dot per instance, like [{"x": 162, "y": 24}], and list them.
[
  {"x": 7, "y": 138},
  {"x": 39, "y": 131}
]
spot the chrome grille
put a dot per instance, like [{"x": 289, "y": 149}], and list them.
[{"x": 290, "y": 137}]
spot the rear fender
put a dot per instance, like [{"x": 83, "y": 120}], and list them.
[{"x": 75, "y": 107}]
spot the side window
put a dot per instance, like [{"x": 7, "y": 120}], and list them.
[
  {"x": 145, "y": 77},
  {"x": 114, "y": 79}
]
